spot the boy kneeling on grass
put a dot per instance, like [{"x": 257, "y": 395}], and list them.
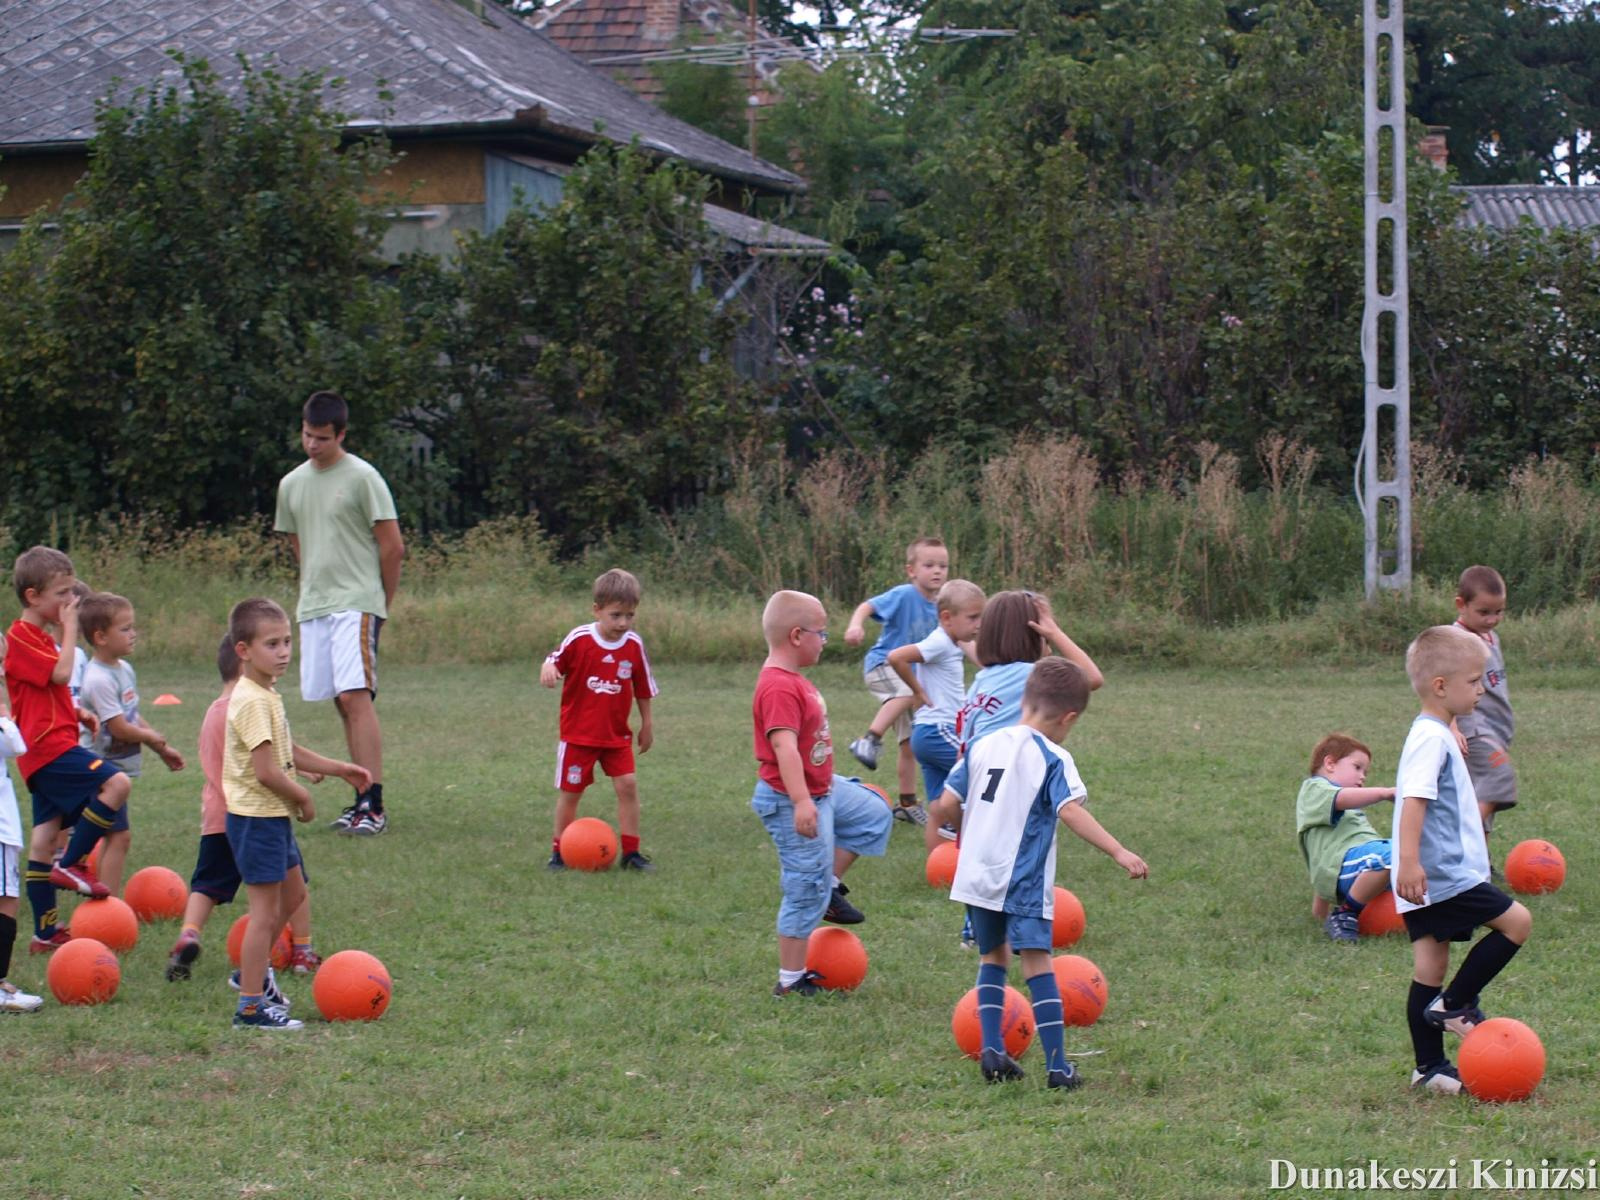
[
  {"x": 1349, "y": 863},
  {"x": 257, "y": 760}
]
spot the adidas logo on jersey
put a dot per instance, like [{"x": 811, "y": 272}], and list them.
[{"x": 609, "y": 658}]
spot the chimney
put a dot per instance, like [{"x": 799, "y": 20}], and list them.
[
  {"x": 1433, "y": 146},
  {"x": 661, "y": 20}
]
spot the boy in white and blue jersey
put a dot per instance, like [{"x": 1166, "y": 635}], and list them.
[
  {"x": 1014, "y": 785},
  {"x": 908, "y": 614},
  {"x": 1441, "y": 871},
  {"x": 935, "y": 671}
]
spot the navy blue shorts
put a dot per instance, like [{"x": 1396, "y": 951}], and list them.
[
  {"x": 1454, "y": 920},
  {"x": 62, "y": 787},
  {"x": 994, "y": 929},
  {"x": 264, "y": 849},
  {"x": 215, "y": 873}
]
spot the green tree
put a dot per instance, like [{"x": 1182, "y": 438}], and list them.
[{"x": 216, "y": 264}]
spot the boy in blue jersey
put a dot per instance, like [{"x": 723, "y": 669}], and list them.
[
  {"x": 1014, "y": 785},
  {"x": 1441, "y": 870},
  {"x": 908, "y": 614}
]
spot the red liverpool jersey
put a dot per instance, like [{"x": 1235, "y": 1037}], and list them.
[{"x": 598, "y": 683}]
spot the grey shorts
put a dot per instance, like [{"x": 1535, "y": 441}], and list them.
[
  {"x": 886, "y": 685},
  {"x": 1494, "y": 775}
]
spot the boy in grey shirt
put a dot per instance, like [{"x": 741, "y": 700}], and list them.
[{"x": 1480, "y": 605}]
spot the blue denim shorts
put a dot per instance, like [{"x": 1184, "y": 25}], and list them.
[
  {"x": 264, "y": 849},
  {"x": 849, "y": 817}
]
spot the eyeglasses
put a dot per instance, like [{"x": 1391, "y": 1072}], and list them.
[{"x": 822, "y": 634}]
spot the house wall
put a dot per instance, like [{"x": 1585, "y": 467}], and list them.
[
  {"x": 39, "y": 181},
  {"x": 435, "y": 172}
]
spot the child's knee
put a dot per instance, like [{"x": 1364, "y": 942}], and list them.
[
  {"x": 1516, "y": 922},
  {"x": 115, "y": 791}
]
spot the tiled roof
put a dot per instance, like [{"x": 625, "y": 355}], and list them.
[
  {"x": 596, "y": 30},
  {"x": 1505, "y": 206},
  {"x": 444, "y": 66}
]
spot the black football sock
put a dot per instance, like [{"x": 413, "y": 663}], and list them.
[
  {"x": 1483, "y": 962},
  {"x": 374, "y": 798},
  {"x": 41, "y": 898},
  {"x": 1427, "y": 1043},
  {"x": 8, "y": 939}
]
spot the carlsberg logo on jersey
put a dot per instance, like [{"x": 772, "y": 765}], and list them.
[{"x": 603, "y": 687}]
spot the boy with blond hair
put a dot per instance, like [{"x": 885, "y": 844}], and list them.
[
  {"x": 1348, "y": 862},
  {"x": 258, "y": 785},
  {"x": 1015, "y": 784},
  {"x": 69, "y": 785},
  {"x": 1441, "y": 871},
  {"x": 110, "y": 690},
  {"x": 934, "y": 670},
  {"x": 603, "y": 670},
  {"x": 908, "y": 613},
  {"x": 1488, "y": 728},
  {"x": 818, "y": 822}
]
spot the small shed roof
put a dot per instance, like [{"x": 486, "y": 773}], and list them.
[
  {"x": 446, "y": 68},
  {"x": 1505, "y": 206}
]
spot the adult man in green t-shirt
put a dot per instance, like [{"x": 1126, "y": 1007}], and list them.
[{"x": 340, "y": 518}]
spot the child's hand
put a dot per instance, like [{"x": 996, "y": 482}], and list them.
[
  {"x": 171, "y": 757},
  {"x": 311, "y": 776},
  {"x": 1044, "y": 622},
  {"x": 1461, "y": 740},
  {"x": 920, "y": 698},
  {"x": 805, "y": 818},
  {"x": 308, "y": 809},
  {"x": 647, "y": 736},
  {"x": 1411, "y": 882},
  {"x": 1132, "y": 864},
  {"x": 88, "y": 720},
  {"x": 548, "y": 675},
  {"x": 356, "y": 776},
  {"x": 854, "y": 635},
  {"x": 1389, "y": 795}
]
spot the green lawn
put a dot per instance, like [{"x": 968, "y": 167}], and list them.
[{"x": 610, "y": 1035}]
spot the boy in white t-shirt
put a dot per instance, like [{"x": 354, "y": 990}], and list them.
[
  {"x": 1014, "y": 785},
  {"x": 1441, "y": 860},
  {"x": 939, "y": 684}
]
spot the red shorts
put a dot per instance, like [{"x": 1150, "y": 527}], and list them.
[{"x": 575, "y": 764}]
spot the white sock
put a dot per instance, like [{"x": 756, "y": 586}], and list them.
[{"x": 790, "y": 978}]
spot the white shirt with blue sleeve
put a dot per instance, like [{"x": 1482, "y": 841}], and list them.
[{"x": 1452, "y": 849}]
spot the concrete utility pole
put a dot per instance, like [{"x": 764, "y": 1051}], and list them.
[{"x": 1386, "y": 344}]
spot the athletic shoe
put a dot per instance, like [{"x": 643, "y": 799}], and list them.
[
  {"x": 555, "y": 863},
  {"x": 949, "y": 832},
  {"x": 841, "y": 911},
  {"x": 635, "y": 862},
  {"x": 266, "y": 1016},
  {"x": 866, "y": 748},
  {"x": 998, "y": 1066},
  {"x": 304, "y": 961},
  {"x": 1441, "y": 1077},
  {"x": 342, "y": 822},
  {"x": 368, "y": 823},
  {"x": 51, "y": 944},
  {"x": 80, "y": 878},
  {"x": 915, "y": 814},
  {"x": 271, "y": 996},
  {"x": 1452, "y": 1020},
  {"x": 1343, "y": 925},
  {"x": 1068, "y": 1078},
  {"x": 806, "y": 985},
  {"x": 183, "y": 955},
  {"x": 14, "y": 1000}
]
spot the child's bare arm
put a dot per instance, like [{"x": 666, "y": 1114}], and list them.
[
  {"x": 1361, "y": 797},
  {"x": 1063, "y": 645},
  {"x": 1410, "y": 880},
  {"x": 62, "y": 672},
  {"x": 1078, "y": 819},
  {"x": 271, "y": 775},
  {"x": 548, "y": 674},
  {"x": 855, "y": 633},
  {"x": 647, "y": 732},
  {"x": 946, "y": 810},
  {"x": 786, "y": 748},
  {"x": 125, "y": 730},
  {"x": 901, "y": 659},
  {"x": 313, "y": 763}
]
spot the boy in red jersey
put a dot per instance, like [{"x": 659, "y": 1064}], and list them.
[
  {"x": 70, "y": 786},
  {"x": 818, "y": 822},
  {"x": 603, "y": 669}
]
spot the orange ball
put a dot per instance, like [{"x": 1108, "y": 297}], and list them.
[
  {"x": 1379, "y": 917},
  {"x": 84, "y": 971},
  {"x": 941, "y": 867},
  {"x": 156, "y": 894},
  {"x": 588, "y": 844},
  {"x": 1535, "y": 867},
  {"x": 110, "y": 921},
  {"x": 351, "y": 985},
  {"x": 1083, "y": 989},
  {"x": 838, "y": 958},
  {"x": 1068, "y": 924},
  {"x": 1500, "y": 1059},
  {"x": 282, "y": 949},
  {"x": 1016, "y": 1024}
]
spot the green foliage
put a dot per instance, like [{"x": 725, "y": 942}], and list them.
[
  {"x": 585, "y": 374},
  {"x": 216, "y": 265},
  {"x": 710, "y": 97}
]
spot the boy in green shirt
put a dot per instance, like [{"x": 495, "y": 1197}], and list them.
[{"x": 1348, "y": 862}]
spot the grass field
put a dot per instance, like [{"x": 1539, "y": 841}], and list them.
[{"x": 596, "y": 1036}]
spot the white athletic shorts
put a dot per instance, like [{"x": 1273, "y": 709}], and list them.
[
  {"x": 10, "y": 869},
  {"x": 339, "y": 653}
]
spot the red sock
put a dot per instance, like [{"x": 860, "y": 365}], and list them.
[{"x": 630, "y": 845}]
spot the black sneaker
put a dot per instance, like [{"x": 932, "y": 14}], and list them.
[
  {"x": 841, "y": 911},
  {"x": 635, "y": 862},
  {"x": 1068, "y": 1078},
  {"x": 1452, "y": 1020},
  {"x": 266, "y": 1016},
  {"x": 342, "y": 822},
  {"x": 999, "y": 1067},
  {"x": 806, "y": 985},
  {"x": 555, "y": 863},
  {"x": 1441, "y": 1077}
]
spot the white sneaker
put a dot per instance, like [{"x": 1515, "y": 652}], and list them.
[
  {"x": 14, "y": 1000},
  {"x": 866, "y": 748}
]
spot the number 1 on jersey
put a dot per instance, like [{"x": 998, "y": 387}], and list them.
[{"x": 994, "y": 784}]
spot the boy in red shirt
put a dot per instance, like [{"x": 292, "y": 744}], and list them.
[
  {"x": 70, "y": 785},
  {"x": 602, "y": 668},
  {"x": 819, "y": 822}
]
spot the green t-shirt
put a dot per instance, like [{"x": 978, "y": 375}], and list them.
[
  {"x": 1326, "y": 835},
  {"x": 332, "y": 512}
]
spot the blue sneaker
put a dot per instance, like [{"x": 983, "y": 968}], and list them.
[
  {"x": 999, "y": 1067},
  {"x": 1343, "y": 925},
  {"x": 270, "y": 995},
  {"x": 266, "y": 1016}
]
